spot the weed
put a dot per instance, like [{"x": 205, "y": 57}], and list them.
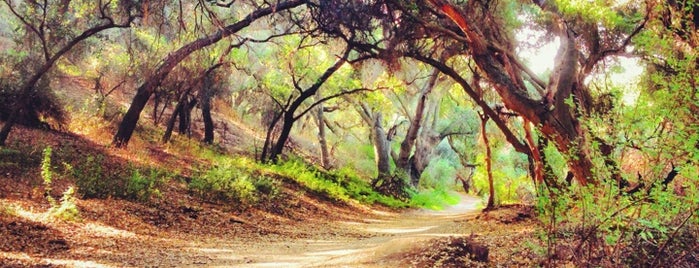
[{"x": 47, "y": 175}]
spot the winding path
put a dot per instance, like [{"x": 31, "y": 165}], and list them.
[{"x": 378, "y": 241}]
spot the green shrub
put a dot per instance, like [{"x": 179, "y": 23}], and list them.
[
  {"x": 228, "y": 182},
  {"x": 141, "y": 187},
  {"x": 91, "y": 180}
]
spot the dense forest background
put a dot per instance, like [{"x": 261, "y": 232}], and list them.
[{"x": 587, "y": 110}]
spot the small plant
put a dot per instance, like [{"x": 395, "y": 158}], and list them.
[
  {"x": 141, "y": 187},
  {"x": 47, "y": 175},
  {"x": 66, "y": 209}
]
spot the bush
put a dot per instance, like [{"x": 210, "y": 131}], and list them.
[
  {"x": 141, "y": 187},
  {"x": 91, "y": 180},
  {"x": 228, "y": 182}
]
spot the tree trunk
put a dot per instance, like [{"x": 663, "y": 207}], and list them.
[
  {"x": 406, "y": 147},
  {"x": 382, "y": 148},
  {"x": 171, "y": 121},
  {"x": 185, "y": 126},
  {"x": 488, "y": 164},
  {"x": 287, "y": 123},
  {"x": 206, "y": 115},
  {"x": 537, "y": 171},
  {"x": 290, "y": 118},
  {"x": 267, "y": 147},
  {"x": 128, "y": 123},
  {"x": 324, "y": 153},
  {"x": 555, "y": 118}
]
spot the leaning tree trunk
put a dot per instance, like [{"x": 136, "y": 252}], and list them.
[
  {"x": 290, "y": 118},
  {"x": 128, "y": 123},
  {"x": 171, "y": 121}
]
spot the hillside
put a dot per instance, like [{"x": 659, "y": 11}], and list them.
[{"x": 298, "y": 227}]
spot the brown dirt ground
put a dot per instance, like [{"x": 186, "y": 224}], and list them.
[{"x": 298, "y": 229}]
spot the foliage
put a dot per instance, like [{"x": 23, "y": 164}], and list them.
[
  {"x": 93, "y": 181},
  {"x": 91, "y": 178},
  {"x": 66, "y": 209},
  {"x": 142, "y": 186},
  {"x": 598, "y": 226},
  {"x": 47, "y": 175},
  {"x": 341, "y": 185},
  {"x": 228, "y": 182},
  {"x": 435, "y": 199}
]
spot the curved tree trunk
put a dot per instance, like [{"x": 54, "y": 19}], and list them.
[
  {"x": 553, "y": 115},
  {"x": 289, "y": 117},
  {"x": 128, "y": 123}
]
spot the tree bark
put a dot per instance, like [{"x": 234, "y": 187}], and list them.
[
  {"x": 406, "y": 147},
  {"x": 171, "y": 121},
  {"x": 324, "y": 153},
  {"x": 381, "y": 148},
  {"x": 185, "y": 126},
  {"x": 128, "y": 123},
  {"x": 206, "y": 111},
  {"x": 535, "y": 156},
  {"x": 488, "y": 164},
  {"x": 555, "y": 118}
]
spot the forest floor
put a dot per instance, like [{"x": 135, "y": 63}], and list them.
[
  {"x": 299, "y": 228},
  {"x": 115, "y": 233}
]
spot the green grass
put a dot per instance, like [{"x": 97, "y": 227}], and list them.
[{"x": 435, "y": 199}]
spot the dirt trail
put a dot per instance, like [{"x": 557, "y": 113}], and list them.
[{"x": 377, "y": 241}]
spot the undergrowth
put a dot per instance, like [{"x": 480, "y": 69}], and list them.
[
  {"x": 248, "y": 181},
  {"x": 66, "y": 209}
]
